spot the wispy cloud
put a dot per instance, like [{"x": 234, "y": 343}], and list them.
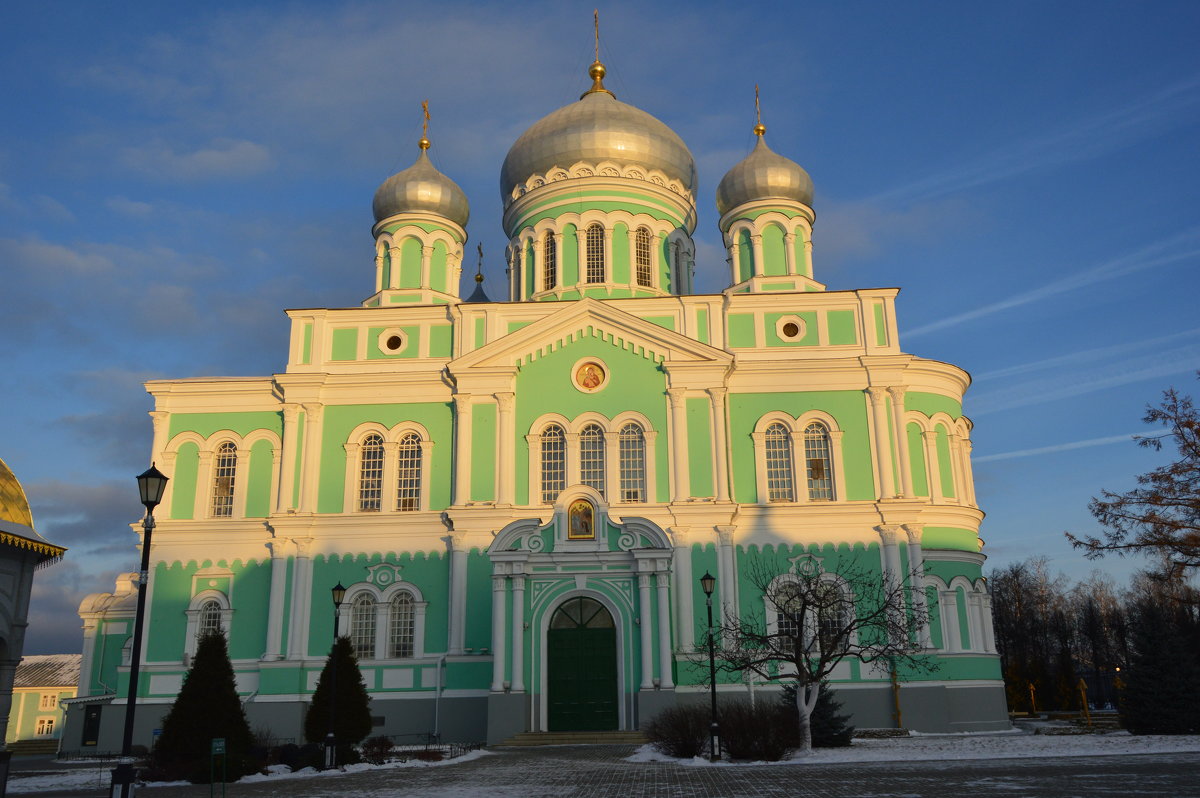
[
  {"x": 221, "y": 158},
  {"x": 1180, "y": 247},
  {"x": 1085, "y": 138},
  {"x": 1058, "y": 447},
  {"x": 1146, "y": 360},
  {"x": 1083, "y": 357}
]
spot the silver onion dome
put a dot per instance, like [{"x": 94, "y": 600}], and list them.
[
  {"x": 763, "y": 174},
  {"x": 421, "y": 188},
  {"x": 597, "y": 128}
]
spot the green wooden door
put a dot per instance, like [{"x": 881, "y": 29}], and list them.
[{"x": 582, "y": 660}]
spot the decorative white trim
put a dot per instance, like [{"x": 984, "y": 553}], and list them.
[{"x": 784, "y": 321}]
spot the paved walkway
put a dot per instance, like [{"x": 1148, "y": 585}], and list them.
[{"x": 599, "y": 772}]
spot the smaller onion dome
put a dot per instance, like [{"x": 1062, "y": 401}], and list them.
[
  {"x": 763, "y": 174},
  {"x": 421, "y": 188},
  {"x": 14, "y": 506}
]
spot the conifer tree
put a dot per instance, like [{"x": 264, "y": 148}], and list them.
[
  {"x": 351, "y": 713},
  {"x": 207, "y": 707},
  {"x": 829, "y": 727},
  {"x": 1162, "y": 689}
]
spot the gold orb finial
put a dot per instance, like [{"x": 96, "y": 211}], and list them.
[
  {"x": 424, "y": 142},
  {"x": 760, "y": 129},
  {"x": 597, "y": 71}
]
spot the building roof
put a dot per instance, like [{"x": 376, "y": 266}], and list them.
[
  {"x": 16, "y": 520},
  {"x": 48, "y": 670},
  {"x": 13, "y": 504}
]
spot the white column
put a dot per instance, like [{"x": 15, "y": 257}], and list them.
[
  {"x": 457, "y": 542},
  {"x": 498, "y": 631},
  {"x": 85, "y": 664},
  {"x": 727, "y": 575},
  {"x": 948, "y": 609},
  {"x": 311, "y": 472},
  {"x": 720, "y": 446},
  {"x": 505, "y": 449},
  {"x": 664, "y": 632},
  {"x": 789, "y": 252},
  {"x": 890, "y": 553},
  {"x": 960, "y": 472},
  {"x": 394, "y": 275},
  {"x": 241, "y": 481},
  {"x": 760, "y": 268},
  {"x": 989, "y": 632},
  {"x": 916, "y": 571},
  {"x": 968, "y": 472},
  {"x": 735, "y": 251},
  {"x": 645, "y": 621},
  {"x": 685, "y": 624},
  {"x": 808, "y": 267},
  {"x": 462, "y": 448},
  {"x": 279, "y": 550},
  {"x": 680, "y": 487},
  {"x": 518, "y": 634},
  {"x": 426, "y": 258},
  {"x": 301, "y": 601},
  {"x": 287, "y": 468},
  {"x": 379, "y": 272},
  {"x": 932, "y": 465},
  {"x": 608, "y": 255},
  {"x": 901, "y": 431},
  {"x": 883, "y": 449}
]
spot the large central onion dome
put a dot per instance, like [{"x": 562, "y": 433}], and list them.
[
  {"x": 421, "y": 188},
  {"x": 596, "y": 129},
  {"x": 763, "y": 174}
]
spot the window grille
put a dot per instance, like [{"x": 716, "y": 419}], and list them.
[
  {"x": 210, "y": 619},
  {"x": 642, "y": 257},
  {"x": 595, "y": 253},
  {"x": 632, "y": 448},
  {"x": 408, "y": 473},
  {"x": 48, "y": 701},
  {"x": 816, "y": 456},
  {"x": 787, "y": 616},
  {"x": 370, "y": 474},
  {"x": 554, "y": 463},
  {"x": 591, "y": 457},
  {"x": 778, "y": 447},
  {"x": 362, "y": 627},
  {"x": 549, "y": 263},
  {"x": 224, "y": 471},
  {"x": 400, "y": 637},
  {"x": 45, "y": 726}
]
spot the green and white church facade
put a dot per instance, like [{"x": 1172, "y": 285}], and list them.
[{"x": 520, "y": 496}]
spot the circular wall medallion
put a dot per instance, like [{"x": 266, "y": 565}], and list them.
[
  {"x": 392, "y": 341},
  {"x": 590, "y": 375},
  {"x": 790, "y": 328}
]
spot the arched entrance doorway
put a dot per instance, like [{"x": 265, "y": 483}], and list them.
[{"x": 581, "y": 659}]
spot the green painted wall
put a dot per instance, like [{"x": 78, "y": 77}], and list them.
[
  {"x": 702, "y": 325},
  {"x": 258, "y": 485},
  {"x": 774, "y": 251},
  {"x": 545, "y": 385},
  {"x": 441, "y": 340},
  {"x": 916, "y": 458},
  {"x": 410, "y": 263},
  {"x": 183, "y": 492},
  {"x": 745, "y": 262},
  {"x": 483, "y": 452},
  {"x": 880, "y": 326},
  {"x": 205, "y": 424},
  {"x": 944, "y": 464},
  {"x": 345, "y": 344},
  {"x": 437, "y": 267},
  {"x": 741, "y": 330},
  {"x": 842, "y": 327},
  {"x": 930, "y": 403},
  {"x": 700, "y": 448},
  {"x": 847, "y": 407},
  {"x": 945, "y": 537},
  {"x": 306, "y": 356},
  {"x": 666, "y": 322},
  {"x": 622, "y": 270},
  {"x": 811, "y": 335},
  {"x": 340, "y": 420}
]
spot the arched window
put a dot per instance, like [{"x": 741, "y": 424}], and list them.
[
  {"x": 370, "y": 474},
  {"x": 632, "y": 448},
  {"x": 591, "y": 457},
  {"x": 818, "y": 463},
  {"x": 642, "y": 257},
  {"x": 209, "y": 621},
  {"x": 554, "y": 463},
  {"x": 400, "y": 635},
  {"x": 362, "y": 626},
  {"x": 224, "y": 471},
  {"x": 549, "y": 263},
  {"x": 408, "y": 473},
  {"x": 595, "y": 253},
  {"x": 778, "y": 446}
]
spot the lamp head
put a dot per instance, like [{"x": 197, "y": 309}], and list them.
[
  {"x": 339, "y": 593},
  {"x": 708, "y": 582},
  {"x": 151, "y": 484}
]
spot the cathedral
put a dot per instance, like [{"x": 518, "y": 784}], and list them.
[{"x": 520, "y": 494}]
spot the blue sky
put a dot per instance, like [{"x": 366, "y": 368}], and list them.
[{"x": 173, "y": 175}]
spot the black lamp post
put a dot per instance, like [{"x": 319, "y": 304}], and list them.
[
  {"x": 339, "y": 593},
  {"x": 707, "y": 583},
  {"x": 151, "y": 484}
]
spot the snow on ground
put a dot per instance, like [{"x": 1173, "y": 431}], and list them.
[
  {"x": 954, "y": 747},
  {"x": 99, "y": 775}
]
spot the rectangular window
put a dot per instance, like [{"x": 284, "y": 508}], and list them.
[
  {"x": 48, "y": 701},
  {"x": 45, "y": 727}
]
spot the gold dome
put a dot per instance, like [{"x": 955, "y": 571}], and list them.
[
  {"x": 598, "y": 128},
  {"x": 14, "y": 506},
  {"x": 421, "y": 188},
  {"x": 763, "y": 174}
]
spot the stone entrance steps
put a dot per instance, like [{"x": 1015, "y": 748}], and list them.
[
  {"x": 575, "y": 738},
  {"x": 33, "y": 747}
]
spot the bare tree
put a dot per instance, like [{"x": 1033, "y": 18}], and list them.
[
  {"x": 1162, "y": 514},
  {"x": 812, "y": 619}
]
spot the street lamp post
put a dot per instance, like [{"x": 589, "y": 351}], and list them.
[
  {"x": 708, "y": 582},
  {"x": 339, "y": 593},
  {"x": 151, "y": 484}
]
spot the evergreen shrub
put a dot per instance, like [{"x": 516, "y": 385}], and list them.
[
  {"x": 377, "y": 750},
  {"x": 1162, "y": 689},
  {"x": 829, "y": 728},
  {"x": 352, "y": 713},
  {"x": 759, "y": 732}
]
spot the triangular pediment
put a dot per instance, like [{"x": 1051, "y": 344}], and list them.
[{"x": 590, "y": 318}]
